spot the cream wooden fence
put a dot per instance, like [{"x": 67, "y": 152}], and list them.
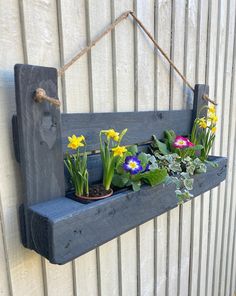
[{"x": 189, "y": 251}]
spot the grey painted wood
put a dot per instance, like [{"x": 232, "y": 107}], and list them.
[
  {"x": 63, "y": 229},
  {"x": 199, "y": 102},
  {"x": 39, "y": 133},
  {"x": 141, "y": 125},
  {"x": 60, "y": 228}
]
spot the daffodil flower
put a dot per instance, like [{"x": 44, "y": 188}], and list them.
[
  {"x": 212, "y": 109},
  {"x": 76, "y": 164},
  {"x": 76, "y": 142},
  {"x": 109, "y": 153},
  {"x": 213, "y": 130},
  {"x": 112, "y": 134},
  {"x": 202, "y": 122},
  {"x": 213, "y": 117},
  {"x": 119, "y": 151}
]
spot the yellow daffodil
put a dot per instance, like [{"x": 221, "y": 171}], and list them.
[
  {"x": 213, "y": 130},
  {"x": 75, "y": 142},
  {"x": 111, "y": 133},
  {"x": 202, "y": 122},
  {"x": 119, "y": 150},
  {"x": 212, "y": 109},
  {"x": 213, "y": 117}
]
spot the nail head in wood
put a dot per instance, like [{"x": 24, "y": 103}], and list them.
[{"x": 41, "y": 95}]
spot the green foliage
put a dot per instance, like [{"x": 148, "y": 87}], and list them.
[
  {"x": 77, "y": 168},
  {"x": 151, "y": 176},
  {"x": 181, "y": 164}
]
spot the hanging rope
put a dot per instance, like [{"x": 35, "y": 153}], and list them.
[{"x": 123, "y": 16}]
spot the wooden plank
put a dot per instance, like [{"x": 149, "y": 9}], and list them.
[
  {"x": 177, "y": 52},
  {"x": 101, "y": 98},
  {"x": 40, "y": 122},
  {"x": 88, "y": 226},
  {"x": 200, "y": 72},
  {"x": 145, "y": 57},
  {"x": 227, "y": 132},
  {"x": 128, "y": 263},
  {"x": 86, "y": 274},
  {"x": 123, "y": 94},
  {"x": 25, "y": 272},
  {"x": 173, "y": 251},
  {"x": 231, "y": 176},
  {"x": 124, "y": 58},
  {"x": 109, "y": 271},
  {"x": 184, "y": 248},
  {"x": 162, "y": 67},
  {"x": 5, "y": 279},
  {"x": 73, "y": 38},
  {"x": 211, "y": 80},
  {"x": 220, "y": 62},
  {"x": 144, "y": 85},
  {"x": 190, "y": 49},
  {"x": 161, "y": 254},
  {"x": 155, "y": 122},
  {"x": 162, "y": 19}
]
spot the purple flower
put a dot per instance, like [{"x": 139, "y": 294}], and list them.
[{"x": 132, "y": 165}]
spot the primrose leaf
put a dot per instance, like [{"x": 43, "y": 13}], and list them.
[
  {"x": 143, "y": 157},
  {"x": 197, "y": 148},
  {"x": 169, "y": 138},
  {"x": 136, "y": 185},
  {"x": 120, "y": 180},
  {"x": 154, "y": 177},
  {"x": 132, "y": 149},
  {"x": 162, "y": 147}
]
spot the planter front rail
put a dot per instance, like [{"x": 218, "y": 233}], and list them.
[{"x": 52, "y": 223}]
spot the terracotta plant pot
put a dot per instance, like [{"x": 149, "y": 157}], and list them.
[{"x": 96, "y": 192}]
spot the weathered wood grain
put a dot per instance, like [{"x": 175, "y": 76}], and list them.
[
  {"x": 39, "y": 134},
  {"x": 155, "y": 122},
  {"x": 91, "y": 225},
  {"x": 210, "y": 72},
  {"x": 24, "y": 270}
]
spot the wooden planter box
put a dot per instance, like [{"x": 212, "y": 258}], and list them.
[{"x": 58, "y": 227}]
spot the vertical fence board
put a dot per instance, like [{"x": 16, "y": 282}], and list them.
[
  {"x": 200, "y": 72},
  {"x": 184, "y": 249},
  {"x": 102, "y": 96},
  {"x": 173, "y": 252},
  {"x": 74, "y": 38},
  {"x": 227, "y": 132},
  {"x": 220, "y": 61},
  {"x": 162, "y": 102},
  {"x": 42, "y": 46},
  {"x": 145, "y": 101},
  {"x": 231, "y": 176},
  {"x": 163, "y": 37},
  {"x": 50, "y": 33},
  {"x": 210, "y": 79},
  {"x": 5, "y": 279},
  {"x": 177, "y": 52},
  {"x": 123, "y": 65},
  {"x": 160, "y": 255},
  {"x": 25, "y": 272}
]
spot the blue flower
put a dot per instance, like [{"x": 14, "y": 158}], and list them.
[{"x": 132, "y": 165}]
